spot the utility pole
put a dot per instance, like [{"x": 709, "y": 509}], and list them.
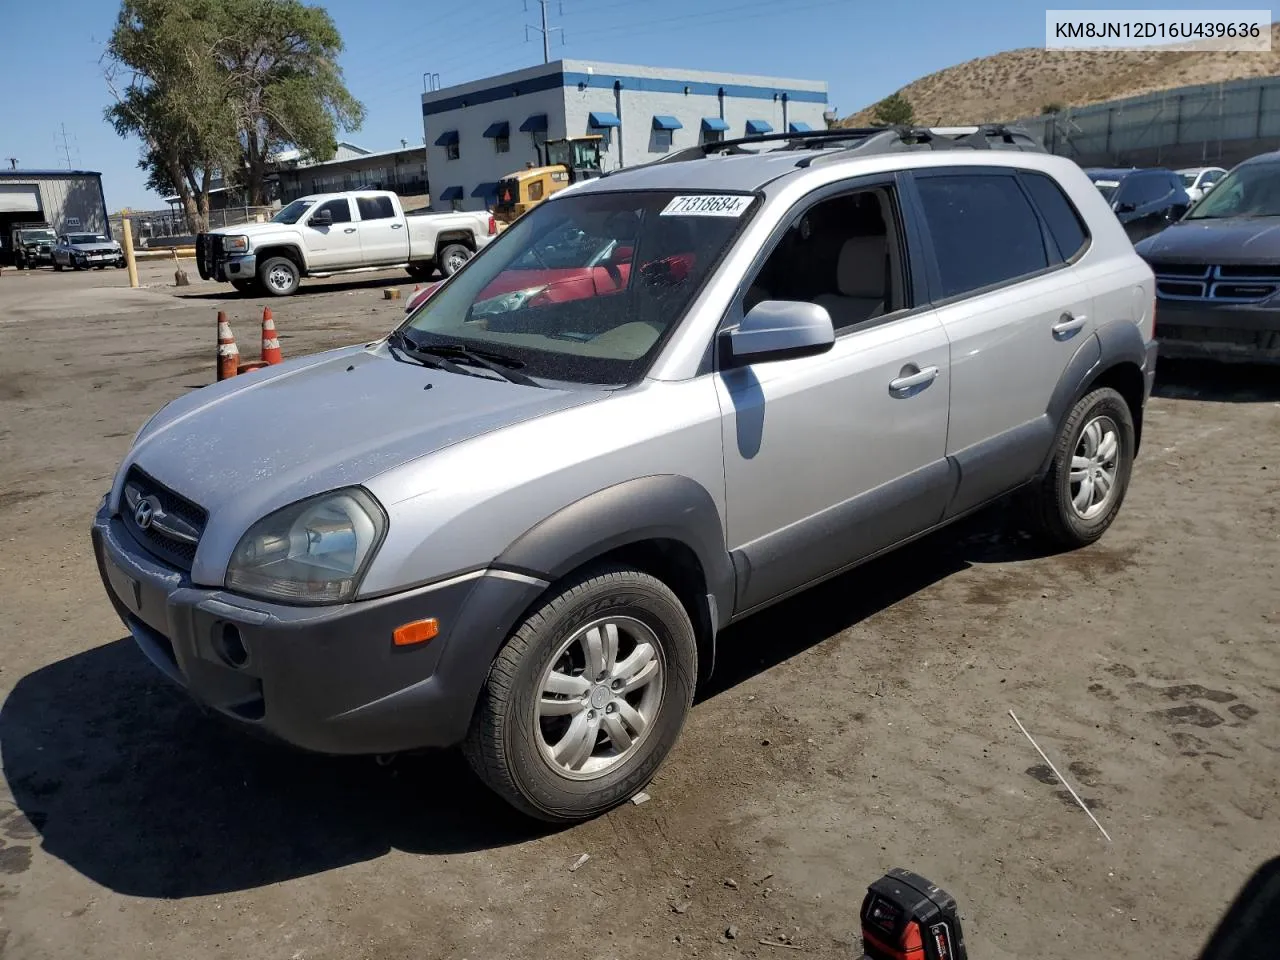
[
  {"x": 66, "y": 150},
  {"x": 13, "y": 162},
  {"x": 545, "y": 30}
]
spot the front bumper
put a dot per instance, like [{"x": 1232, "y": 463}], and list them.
[
  {"x": 1239, "y": 332},
  {"x": 327, "y": 679},
  {"x": 236, "y": 268}
]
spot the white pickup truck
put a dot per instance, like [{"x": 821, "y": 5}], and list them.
[{"x": 333, "y": 233}]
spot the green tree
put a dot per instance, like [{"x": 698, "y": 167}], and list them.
[
  {"x": 217, "y": 87},
  {"x": 893, "y": 110}
]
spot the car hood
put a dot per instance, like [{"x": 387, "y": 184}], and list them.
[
  {"x": 108, "y": 247},
  {"x": 255, "y": 229},
  {"x": 1226, "y": 240},
  {"x": 259, "y": 441}
]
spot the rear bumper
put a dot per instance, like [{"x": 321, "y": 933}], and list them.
[
  {"x": 1239, "y": 332},
  {"x": 327, "y": 679}
]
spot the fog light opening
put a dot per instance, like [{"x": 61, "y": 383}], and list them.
[{"x": 231, "y": 646}]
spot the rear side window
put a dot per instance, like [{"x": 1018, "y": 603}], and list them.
[
  {"x": 1065, "y": 225},
  {"x": 983, "y": 228},
  {"x": 375, "y": 208}
]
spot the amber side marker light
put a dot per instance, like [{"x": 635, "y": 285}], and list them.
[{"x": 420, "y": 631}]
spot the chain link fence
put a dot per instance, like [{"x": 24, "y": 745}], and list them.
[{"x": 168, "y": 228}]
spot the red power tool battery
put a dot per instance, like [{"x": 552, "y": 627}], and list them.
[{"x": 905, "y": 917}]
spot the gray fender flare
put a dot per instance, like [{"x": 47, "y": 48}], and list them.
[
  {"x": 1111, "y": 344},
  {"x": 660, "y": 507}
]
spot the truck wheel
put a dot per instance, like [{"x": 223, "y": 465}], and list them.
[
  {"x": 278, "y": 276},
  {"x": 452, "y": 258},
  {"x": 587, "y": 698},
  {"x": 1081, "y": 494}
]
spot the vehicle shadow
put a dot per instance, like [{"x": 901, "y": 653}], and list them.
[
  {"x": 130, "y": 784},
  {"x": 1217, "y": 382},
  {"x": 312, "y": 288}
]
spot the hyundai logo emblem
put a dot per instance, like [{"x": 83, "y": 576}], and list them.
[{"x": 143, "y": 514}]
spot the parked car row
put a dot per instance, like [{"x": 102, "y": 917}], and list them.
[{"x": 41, "y": 247}]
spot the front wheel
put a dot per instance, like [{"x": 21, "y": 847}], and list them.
[
  {"x": 453, "y": 257},
  {"x": 57, "y": 266},
  {"x": 279, "y": 276},
  {"x": 587, "y": 698},
  {"x": 1079, "y": 497}
]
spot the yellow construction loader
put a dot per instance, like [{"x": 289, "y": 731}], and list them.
[{"x": 562, "y": 162}]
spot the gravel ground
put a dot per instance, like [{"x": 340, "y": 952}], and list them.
[{"x": 860, "y": 726}]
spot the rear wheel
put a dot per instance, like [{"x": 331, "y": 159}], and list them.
[
  {"x": 279, "y": 276},
  {"x": 452, "y": 258},
  {"x": 587, "y": 698},
  {"x": 1082, "y": 492}
]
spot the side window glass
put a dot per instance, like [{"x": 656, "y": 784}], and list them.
[
  {"x": 983, "y": 230},
  {"x": 375, "y": 208},
  {"x": 1065, "y": 225},
  {"x": 340, "y": 210},
  {"x": 842, "y": 254}
]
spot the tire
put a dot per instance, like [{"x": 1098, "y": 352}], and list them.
[
  {"x": 510, "y": 742},
  {"x": 1082, "y": 448},
  {"x": 278, "y": 276},
  {"x": 245, "y": 288},
  {"x": 77, "y": 266},
  {"x": 57, "y": 267},
  {"x": 452, "y": 257},
  {"x": 420, "y": 271}
]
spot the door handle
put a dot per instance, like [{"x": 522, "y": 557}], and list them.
[
  {"x": 1068, "y": 324},
  {"x": 918, "y": 379},
  {"x": 396, "y": 226},
  {"x": 349, "y": 230}
]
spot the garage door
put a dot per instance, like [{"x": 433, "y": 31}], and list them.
[{"x": 19, "y": 198}]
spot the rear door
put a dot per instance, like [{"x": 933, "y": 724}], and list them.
[
  {"x": 336, "y": 246},
  {"x": 1015, "y": 311},
  {"x": 383, "y": 237}
]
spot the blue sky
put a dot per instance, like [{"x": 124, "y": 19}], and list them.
[{"x": 864, "y": 49}]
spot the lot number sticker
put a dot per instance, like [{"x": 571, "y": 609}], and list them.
[{"x": 707, "y": 205}]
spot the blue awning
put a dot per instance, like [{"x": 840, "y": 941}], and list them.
[
  {"x": 447, "y": 138},
  {"x": 662, "y": 122},
  {"x": 601, "y": 119},
  {"x": 535, "y": 124},
  {"x": 451, "y": 193},
  {"x": 499, "y": 129},
  {"x": 757, "y": 127},
  {"x": 798, "y": 126},
  {"x": 488, "y": 191},
  {"x": 714, "y": 123}
]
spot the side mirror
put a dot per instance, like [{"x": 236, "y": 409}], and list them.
[
  {"x": 777, "y": 330},
  {"x": 322, "y": 219},
  {"x": 1126, "y": 207}
]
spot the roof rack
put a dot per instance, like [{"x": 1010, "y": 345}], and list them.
[{"x": 840, "y": 143}]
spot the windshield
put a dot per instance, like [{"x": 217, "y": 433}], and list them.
[
  {"x": 584, "y": 288},
  {"x": 293, "y": 212},
  {"x": 29, "y": 235},
  {"x": 1249, "y": 191},
  {"x": 1189, "y": 179},
  {"x": 1107, "y": 188},
  {"x": 87, "y": 238}
]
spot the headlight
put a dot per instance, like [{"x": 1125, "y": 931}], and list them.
[
  {"x": 235, "y": 244},
  {"x": 314, "y": 551},
  {"x": 505, "y": 302}
]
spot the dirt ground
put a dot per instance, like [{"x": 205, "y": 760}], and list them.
[{"x": 861, "y": 726}]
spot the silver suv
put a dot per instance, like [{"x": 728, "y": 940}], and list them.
[{"x": 657, "y": 403}]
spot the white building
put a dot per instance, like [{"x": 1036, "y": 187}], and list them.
[{"x": 478, "y": 132}]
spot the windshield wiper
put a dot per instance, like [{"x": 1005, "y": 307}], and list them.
[
  {"x": 503, "y": 366},
  {"x": 399, "y": 342}
]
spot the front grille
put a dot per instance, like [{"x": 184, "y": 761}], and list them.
[
  {"x": 1226, "y": 283},
  {"x": 208, "y": 253},
  {"x": 174, "y": 526}
]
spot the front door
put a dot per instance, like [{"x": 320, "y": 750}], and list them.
[
  {"x": 831, "y": 458},
  {"x": 336, "y": 246}
]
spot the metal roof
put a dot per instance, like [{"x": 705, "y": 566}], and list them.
[{"x": 32, "y": 174}]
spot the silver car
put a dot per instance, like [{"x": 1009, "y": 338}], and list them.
[
  {"x": 520, "y": 522},
  {"x": 80, "y": 251}
]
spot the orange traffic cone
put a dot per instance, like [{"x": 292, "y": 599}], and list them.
[
  {"x": 270, "y": 345},
  {"x": 228, "y": 352}
]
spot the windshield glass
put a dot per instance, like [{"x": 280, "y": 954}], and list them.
[
  {"x": 1107, "y": 188},
  {"x": 1249, "y": 191},
  {"x": 28, "y": 236},
  {"x": 1189, "y": 179},
  {"x": 584, "y": 288},
  {"x": 87, "y": 238},
  {"x": 293, "y": 212}
]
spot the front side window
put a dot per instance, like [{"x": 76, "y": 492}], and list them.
[
  {"x": 585, "y": 288},
  {"x": 1252, "y": 190},
  {"x": 340, "y": 210},
  {"x": 983, "y": 230}
]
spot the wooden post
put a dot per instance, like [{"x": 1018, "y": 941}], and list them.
[{"x": 128, "y": 252}]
